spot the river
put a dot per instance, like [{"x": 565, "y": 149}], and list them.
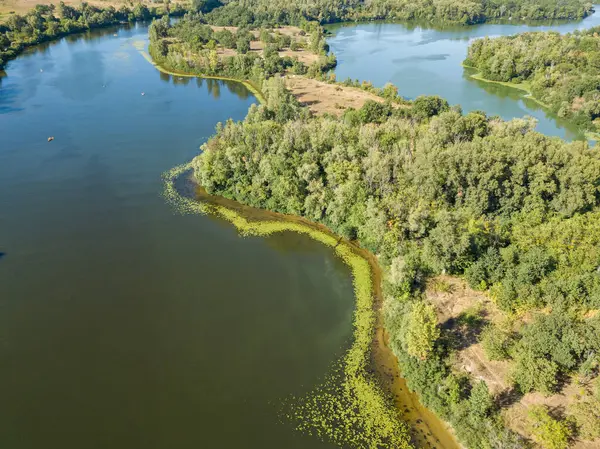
[
  {"x": 125, "y": 325},
  {"x": 424, "y": 60}
]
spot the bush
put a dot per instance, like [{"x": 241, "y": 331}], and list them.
[
  {"x": 586, "y": 413},
  {"x": 485, "y": 271},
  {"x": 534, "y": 373},
  {"x": 422, "y": 330},
  {"x": 547, "y": 431},
  {"x": 496, "y": 342},
  {"x": 428, "y": 106},
  {"x": 374, "y": 112},
  {"x": 243, "y": 45}
]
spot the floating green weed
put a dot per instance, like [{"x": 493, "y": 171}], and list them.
[{"x": 349, "y": 408}]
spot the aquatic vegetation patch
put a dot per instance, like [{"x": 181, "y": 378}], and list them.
[{"x": 349, "y": 408}]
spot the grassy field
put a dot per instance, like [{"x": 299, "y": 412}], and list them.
[{"x": 8, "y": 7}]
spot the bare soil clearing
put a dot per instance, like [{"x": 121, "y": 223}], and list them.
[
  {"x": 453, "y": 299},
  {"x": 321, "y": 97},
  {"x": 450, "y": 305}
]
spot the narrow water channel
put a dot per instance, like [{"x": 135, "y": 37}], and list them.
[
  {"x": 421, "y": 59},
  {"x": 123, "y": 325}
]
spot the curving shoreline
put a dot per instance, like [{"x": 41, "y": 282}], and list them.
[
  {"x": 141, "y": 47},
  {"x": 590, "y": 135},
  {"x": 363, "y": 399},
  {"x": 371, "y": 378},
  {"x": 522, "y": 87}
]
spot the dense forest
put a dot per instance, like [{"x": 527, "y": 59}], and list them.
[
  {"x": 193, "y": 46},
  {"x": 47, "y": 22},
  {"x": 431, "y": 190},
  {"x": 562, "y": 71},
  {"x": 271, "y": 12}
]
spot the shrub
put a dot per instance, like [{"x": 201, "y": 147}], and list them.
[
  {"x": 495, "y": 342},
  {"x": 547, "y": 431}
]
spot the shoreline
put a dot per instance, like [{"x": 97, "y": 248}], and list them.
[
  {"x": 369, "y": 351},
  {"x": 522, "y": 86},
  {"x": 589, "y": 135},
  {"x": 419, "y": 421},
  {"x": 22, "y": 47},
  {"x": 141, "y": 47}
]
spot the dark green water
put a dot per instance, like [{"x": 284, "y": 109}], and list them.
[
  {"x": 123, "y": 325},
  {"x": 424, "y": 60}
]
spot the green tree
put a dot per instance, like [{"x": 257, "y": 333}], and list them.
[
  {"x": 532, "y": 372},
  {"x": 422, "y": 330},
  {"x": 549, "y": 432},
  {"x": 205, "y": 5},
  {"x": 481, "y": 402},
  {"x": 428, "y": 106},
  {"x": 389, "y": 91},
  {"x": 496, "y": 342},
  {"x": 243, "y": 45}
]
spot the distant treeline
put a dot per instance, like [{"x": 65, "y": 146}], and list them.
[
  {"x": 47, "y": 22},
  {"x": 561, "y": 70},
  {"x": 271, "y": 12}
]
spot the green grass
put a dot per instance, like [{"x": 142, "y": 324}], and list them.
[{"x": 349, "y": 408}]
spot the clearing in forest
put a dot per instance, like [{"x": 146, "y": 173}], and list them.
[
  {"x": 257, "y": 46},
  {"x": 462, "y": 314},
  {"x": 321, "y": 97}
]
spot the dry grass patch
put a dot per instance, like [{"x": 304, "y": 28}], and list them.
[
  {"x": 455, "y": 302},
  {"x": 22, "y": 6},
  {"x": 321, "y": 97},
  {"x": 457, "y": 307},
  {"x": 515, "y": 416}
]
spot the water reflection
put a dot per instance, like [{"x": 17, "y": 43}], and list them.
[
  {"x": 142, "y": 328},
  {"x": 505, "y": 92},
  {"x": 83, "y": 77},
  {"x": 212, "y": 85},
  {"x": 425, "y": 59}
]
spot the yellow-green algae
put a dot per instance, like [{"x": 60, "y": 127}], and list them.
[{"x": 349, "y": 408}]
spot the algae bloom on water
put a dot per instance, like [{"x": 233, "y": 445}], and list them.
[{"x": 349, "y": 408}]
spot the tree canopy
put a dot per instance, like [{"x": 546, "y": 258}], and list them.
[
  {"x": 263, "y": 12},
  {"x": 432, "y": 190}
]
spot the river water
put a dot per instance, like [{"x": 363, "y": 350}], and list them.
[
  {"x": 425, "y": 60},
  {"x": 123, "y": 325}
]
